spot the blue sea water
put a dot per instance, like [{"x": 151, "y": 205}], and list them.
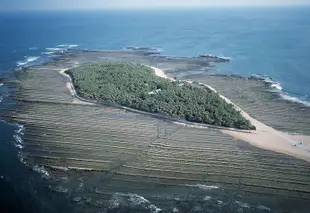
[
  {"x": 271, "y": 41},
  {"x": 266, "y": 41}
]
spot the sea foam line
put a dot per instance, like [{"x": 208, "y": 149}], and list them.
[
  {"x": 243, "y": 205},
  {"x": 41, "y": 170},
  {"x": 20, "y": 129},
  {"x": 120, "y": 198},
  {"x": 277, "y": 87},
  {"x": 21, "y": 156},
  {"x": 294, "y": 99},
  {"x": 17, "y": 137},
  {"x": 67, "y": 45},
  {"x": 206, "y": 198},
  {"x": 55, "y": 49},
  {"x": 27, "y": 60},
  {"x": 59, "y": 48},
  {"x": 201, "y": 186},
  {"x": 47, "y": 53}
]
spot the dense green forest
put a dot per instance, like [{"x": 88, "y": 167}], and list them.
[{"x": 136, "y": 86}]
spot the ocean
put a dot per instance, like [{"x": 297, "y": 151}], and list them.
[{"x": 272, "y": 43}]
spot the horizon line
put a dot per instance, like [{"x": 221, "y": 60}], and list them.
[{"x": 195, "y": 7}]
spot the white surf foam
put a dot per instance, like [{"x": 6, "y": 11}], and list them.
[
  {"x": 206, "y": 198},
  {"x": 18, "y": 139},
  {"x": 243, "y": 205},
  {"x": 54, "y": 49},
  {"x": 19, "y": 146},
  {"x": 48, "y": 53},
  {"x": 267, "y": 79},
  {"x": 204, "y": 187},
  {"x": 27, "y": 60},
  {"x": 1, "y": 98},
  {"x": 33, "y": 48},
  {"x": 137, "y": 199},
  {"x": 132, "y": 200},
  {"x": 18, "y": 142},
  {"x": 59, "y": 48},
  {"x": 20, "y": 129},
  {"x": 21, "y": 157},
  {"x": 32, "y": 58},
  {"x": 264, "y": 208},
  {"x": 62, "y": 45},
  {"x": 175, "y": 210},
  {"x": 72, "y": 46},
  {"x": 69, "y": 46},
  {"x": 294, "y": 99},
  {"x": 41, "y": 170},
  {"x": 1, "y": 84},
  {"x": 277, "y": 87},
  {"x": 114, "y": 202}
]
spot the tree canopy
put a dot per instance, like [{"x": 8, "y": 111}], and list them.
[{"x": 136, "y": 86}]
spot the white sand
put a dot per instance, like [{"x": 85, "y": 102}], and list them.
[
  {"x": 264, "y": 137},
  {"x": 71, "y": 89},
  {"x": 161, "y": 73}
]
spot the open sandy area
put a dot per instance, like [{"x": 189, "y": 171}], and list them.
[{"x": 264, "y": 136}]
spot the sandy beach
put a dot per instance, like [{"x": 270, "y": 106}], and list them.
[
  {"x": 71, "y": 89},
  {"x": 264, "y": 137}
]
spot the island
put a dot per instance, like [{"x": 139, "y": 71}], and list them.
[
  {"x": 100, "y": 154},
  {"x": 136, "y": 86}
]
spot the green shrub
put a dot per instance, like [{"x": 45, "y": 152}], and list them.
[{"x": 136, "y": 86}]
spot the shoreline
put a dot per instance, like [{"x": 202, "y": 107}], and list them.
[
  {"x": 87, "y": 144},
  {"x": 80, "y": 100},
  {"x": 264, "y": 136}
]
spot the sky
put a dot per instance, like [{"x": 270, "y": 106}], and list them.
[{"x": 16, "y": 5}]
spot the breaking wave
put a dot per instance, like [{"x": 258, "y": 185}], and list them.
[
  {"x": 243, "y": 205},
  {"x": 54, "y": 49},
  {"x": 264, "y": 208},
  {"x": 21, "y": 156},
  {"x": 175, "y": 210},
  {"x": 19, "y": 146},
  {"x": 59, "y": 49},
  {"x": 206, "y": 198},
  {"x": 41, "y": 170},
  {"x": 18, "y": 141},
  {"x": 47, "y": 53},
  {"x": 295, "y": 99},
  {"x": 129, "y": 200},
  {"x": 69, "y": 46},
  {"x": 27, "y": 61},
  {"x": 277, "y": 88},
  {"x": 203, "y": 187},
  {"x": 20, "y": 129}
]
